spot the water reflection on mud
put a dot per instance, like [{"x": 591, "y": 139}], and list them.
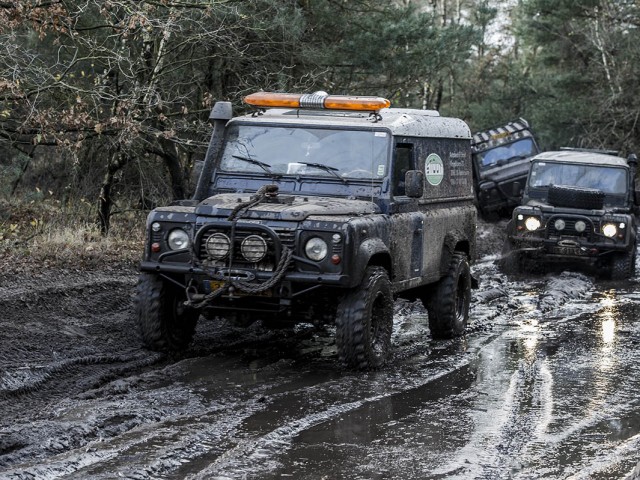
[{"x": 535, "y": 399}]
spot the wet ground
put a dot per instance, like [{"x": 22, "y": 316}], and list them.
[{"x": 543, "y": 385}]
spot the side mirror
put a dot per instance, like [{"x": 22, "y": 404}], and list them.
[{"x": 414, "y": 183}]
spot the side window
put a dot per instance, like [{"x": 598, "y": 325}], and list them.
[{"x": 403, "y": 162}]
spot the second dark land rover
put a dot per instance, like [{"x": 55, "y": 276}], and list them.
[
  {"x": 500, "y": 166},
  {"x": 579, "y": 208},
  {"x": 317, "y": 209}
]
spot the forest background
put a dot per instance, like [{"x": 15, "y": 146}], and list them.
[{"x": 104, "y": 103}]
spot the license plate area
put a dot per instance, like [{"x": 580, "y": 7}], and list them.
[{"x": 570, "y": 251}]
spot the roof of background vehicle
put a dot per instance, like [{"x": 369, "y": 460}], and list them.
[
  {"x": 582, "y": 157},
  {"x": 402, "y": 122},
  {"x": 500, "y": 131}
]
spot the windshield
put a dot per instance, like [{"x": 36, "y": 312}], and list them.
[
  {"x": 504, "y": 154},
  {"x": 607, "y": 179},
  {"x": 305, "y": 151}
]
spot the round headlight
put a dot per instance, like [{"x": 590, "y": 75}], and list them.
[
  {"x": 217, "y": 246},
  {"x": 609, "y": 230},
  {"x": 580, "y": 226},
  {"x": 253, "y": 248},
  {"x": 178, "y": 239},
  {"x": 532, "y": 223},
  {"x": 316, "y": 249},
  {"x": 559, "y": 224}
]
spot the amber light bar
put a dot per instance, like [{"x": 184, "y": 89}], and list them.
[{"x": 315, "y": 100}]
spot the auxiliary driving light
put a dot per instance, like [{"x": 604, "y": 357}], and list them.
[
  {"x": 580, "y": 226},
  {"x": 532, "y": 223},
  {"x": 559, "y": 224},
  {"x": 253, "y": 248},
  {"x": 609, "y": 230},
  {"x": 218, "y": 246}
]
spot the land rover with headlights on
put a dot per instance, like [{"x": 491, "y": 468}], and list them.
[
  {"x": 316, "y": 209},
  {"x": 579, "y": 208}
]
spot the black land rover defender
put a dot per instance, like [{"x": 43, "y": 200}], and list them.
[
  {"x": 579, "y": 207},
  {"x": 500, "y": 165},
  {"x": 322, "y": 210}
]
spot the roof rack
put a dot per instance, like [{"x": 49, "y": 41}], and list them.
[
  {"x": 501, "y": 131},
  {"x": 592, "y": 150}
]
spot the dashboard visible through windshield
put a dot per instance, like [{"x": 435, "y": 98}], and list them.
[{"x": 277, "y": 150}]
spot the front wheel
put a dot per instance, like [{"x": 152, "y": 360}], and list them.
[
  {"x": 164, "y": 323},
  {"x": 448, "y": 303},
  {"x": 623, "y": 266},
  {"x": 510, "y": 261},
  {"x": 364, "y": 321}
]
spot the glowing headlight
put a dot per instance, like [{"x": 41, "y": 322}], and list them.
[
  {"x": 253, "y": 248},
  {"x": 609, "y": 230},
  {"x": 580, "y": 226},
  {"x": 316, "y": 249},
  {"x": 178, "y": 239},
  {"x": 217, "y": 246},
  {"x": 559, "y": 224},
  {"x": 532, "y": 223}
]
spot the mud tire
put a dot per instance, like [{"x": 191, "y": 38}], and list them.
[
  {"x": 623, "y": 266},
  {"x": 569, "y": 196},
  {"x": 511, "y": 262},
  {"x": 448, "y": 303},
  {"x": 364, "y": 321},
  {"x": 164, "y": 324}
]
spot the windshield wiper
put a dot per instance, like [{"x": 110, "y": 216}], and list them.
[
  {"x": 326, "y": 168},
  {"x": 265, "y": 166}
]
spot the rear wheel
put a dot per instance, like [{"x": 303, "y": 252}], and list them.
[
  {"x": 448, "y": 303},
  {"x": 364, "y": 321},
  {"x": 164, "y": 323}
]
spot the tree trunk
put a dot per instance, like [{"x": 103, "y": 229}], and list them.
[{"x": 116, "y": 162}]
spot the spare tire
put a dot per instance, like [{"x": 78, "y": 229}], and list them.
[{"x": 576, "y": 197}]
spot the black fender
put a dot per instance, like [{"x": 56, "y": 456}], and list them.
[
  {"x": 373, "y": 251},
  {"x": 456, "y": 241}
]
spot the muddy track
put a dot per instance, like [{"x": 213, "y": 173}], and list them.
[{"x": 546, "y": 374}]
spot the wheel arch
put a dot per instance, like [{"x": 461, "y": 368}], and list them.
[
  {"x": 373, "y": 252},
  {"x": 454, "y": 242}
]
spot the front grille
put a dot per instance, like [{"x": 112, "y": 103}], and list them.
[{"x": 570, "y": 227}]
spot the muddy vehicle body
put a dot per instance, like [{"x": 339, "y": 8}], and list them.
[
  {"x": 578, "y": 208},
  {"x": 320, "y": 213},
  {"x": 500, "y": 166}
]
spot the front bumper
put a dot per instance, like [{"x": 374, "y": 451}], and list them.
[
  {"x": 294, "y": 277},
  {"x": 563, "y": 250}
]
